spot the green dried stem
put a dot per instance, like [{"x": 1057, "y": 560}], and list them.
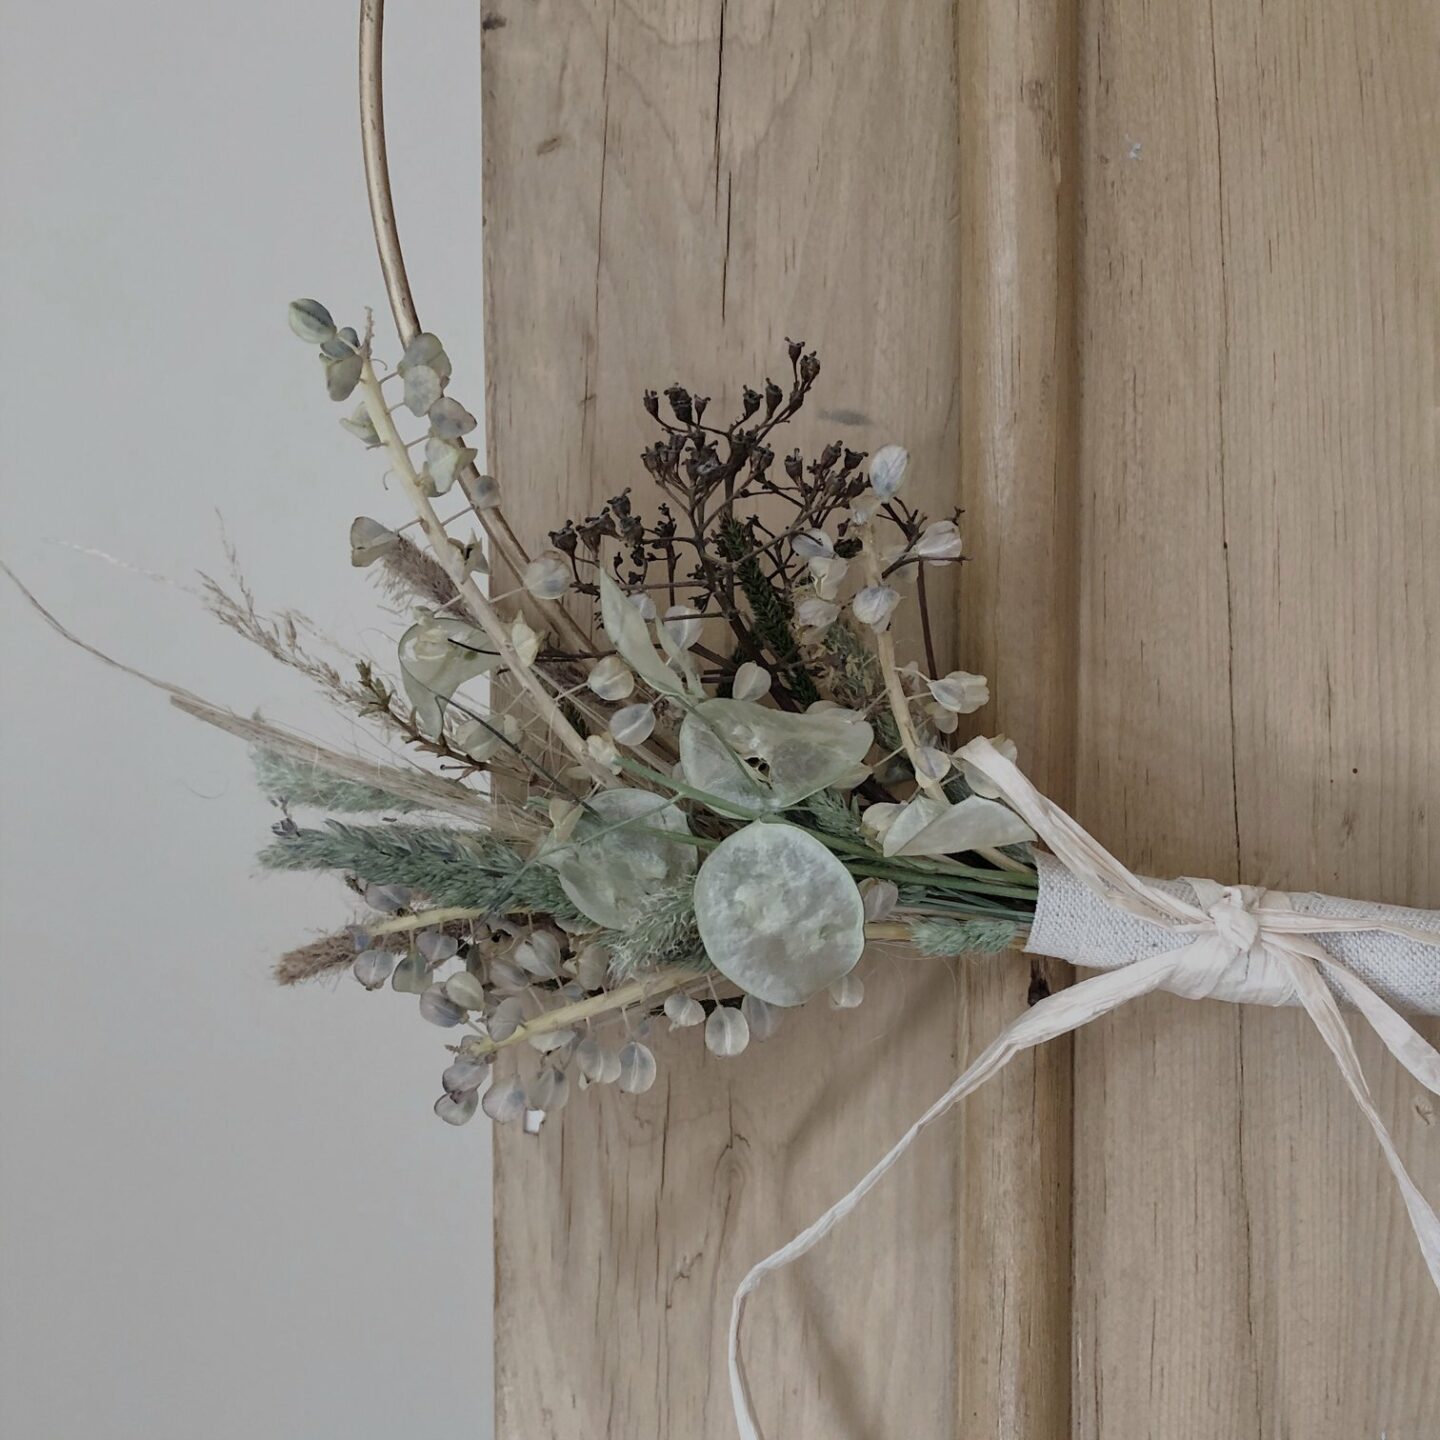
[
  {"x": 942, "y": 937},
  {"x": 770, "y": 612},
  {"x": 453, "y": 868}
]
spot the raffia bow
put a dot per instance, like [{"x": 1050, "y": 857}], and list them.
[{"x": 1235, "y": 941}]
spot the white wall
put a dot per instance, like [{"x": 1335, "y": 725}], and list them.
[{"x": 226, "y": 1210}]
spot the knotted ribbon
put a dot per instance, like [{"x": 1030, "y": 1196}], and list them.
[{"x": 1235, "y": 941}]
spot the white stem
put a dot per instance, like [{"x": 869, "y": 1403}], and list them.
[{"x": 480, "y": 608}]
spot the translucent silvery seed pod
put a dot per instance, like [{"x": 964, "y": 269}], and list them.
[
  {"x": 538, "y": 955},
  {"x": 457, "y": 1109},
  {"x": 939, "y": 543},
  {"x": 961, "y": 692},
  {"x": 439, "y": 1009},
  {"x": 411, "y": 976},
  {"x": 369, "y": 540},
  {"x": 506, "y": 1018},
  {"x": 547, "y": 577},
  {"x": 346, "y": 342},
  {"x": 817, "y": 614},
  {"x": 880, "y": 897},
  {"x": 466, "y": 991},
  {"x": 444, "y": 460},
  {"x": 342, "y": 376},
  {"x": 483, "y": 491},
  {"x": 449, "y": 419},
  {"x": 463, "y": 1076},
  {"x": 389, "y": 899},
  {"x": 504, "y": 1103},
  {"x": 683, "y": 625},
  {"x": 633, "y": 725},
  {"x": 751, "y": 682},
  {"x": 813, "y": 545},
  {"x": 932, "y": 764},
  {"x": 372, "y": 968},
  {"x": 612, "y": 679},
  {"x": 887, "y": 469},
  {"x": 571, "y": 992},
  {"x": 847, "y": 992},
  {"x": 436, "y": 946},
  {"x": 551, "y": 1040},
  {"x": 727, "y": 1032},
  {"x": 549, "y": 1090},
  {"x": 590, "y": 1058},
  {"x": 311, "y": 321},
  {"x": 637, "y": 1068},
  {"x": 875, "y": 604},
  {"x": 610, "y": 1068},
  {"x": 422, "y": 389},
  {"x": 591, "y": 966},
  {"x": 506, "y": 975},
  {"x": 763, "y": 1019},
  {"x": 683, "y": 1010},
  {"x": 426, "y": 349}
]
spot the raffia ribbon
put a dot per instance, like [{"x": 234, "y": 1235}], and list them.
[{"x": 1238, "y": 941}]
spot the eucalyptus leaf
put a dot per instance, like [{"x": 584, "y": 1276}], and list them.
[
  {"x": 614, "y": 860},
  {"x": 362, "y": 427},
  {"x": 778, "y": 914},
  {"x": 466, "y": 991},
  {"x": 800, "y": 754},
  {"x": 631, "y": 638},
  {"x": 411, "y": 975}
]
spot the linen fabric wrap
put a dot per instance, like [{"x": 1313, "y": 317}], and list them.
[{"x": 1073, "y": 923}]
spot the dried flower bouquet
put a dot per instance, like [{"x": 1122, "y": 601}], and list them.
[{"x": 704, "y": 775}]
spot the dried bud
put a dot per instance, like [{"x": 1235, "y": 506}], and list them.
[
  {"x": 311, "y": 321},
  {"x": 652, "y": 404},
  {"x": 796, "y": 349},
  {"x": 809, "y": 368},
  {"x": 750, "y": 401},
  {"x": 679, "y": 398},
  {"x": 795, "y": 465},
  {"x": 773, "y": 396}
]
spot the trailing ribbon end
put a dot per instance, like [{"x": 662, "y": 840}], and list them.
[{"x": 1236, "y": 942}]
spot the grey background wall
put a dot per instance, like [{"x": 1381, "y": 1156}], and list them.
[{"x": 225, "y": 1210}]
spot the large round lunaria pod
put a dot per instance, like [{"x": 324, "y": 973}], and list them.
[{"x": 778, "y": 914}]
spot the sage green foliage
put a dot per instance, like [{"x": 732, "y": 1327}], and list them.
[
  {"x": 450, "y": 867},
  {"x": 936, "y": 936},
  {"x": 282, "y": 777},
  {"x": 665, "y": 933},
  {"x": 770, "y": 610},
  {"x": 833, "y": 814},
  {"x": 858, "y": 683}
]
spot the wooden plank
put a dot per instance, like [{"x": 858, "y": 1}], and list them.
[
  {"x": 1019, "y": 625},
  {"x": 673, "y": 186},
  {"x": 1259, "y": 683}
]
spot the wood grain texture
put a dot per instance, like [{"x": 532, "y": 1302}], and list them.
[
  {"x": 1259, "y": 688},
  {"x": 1153, "y": 292},
  {"x": 672, "y": 187}
]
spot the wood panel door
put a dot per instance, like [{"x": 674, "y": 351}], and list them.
[{"x": 1152, "y": 292}]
